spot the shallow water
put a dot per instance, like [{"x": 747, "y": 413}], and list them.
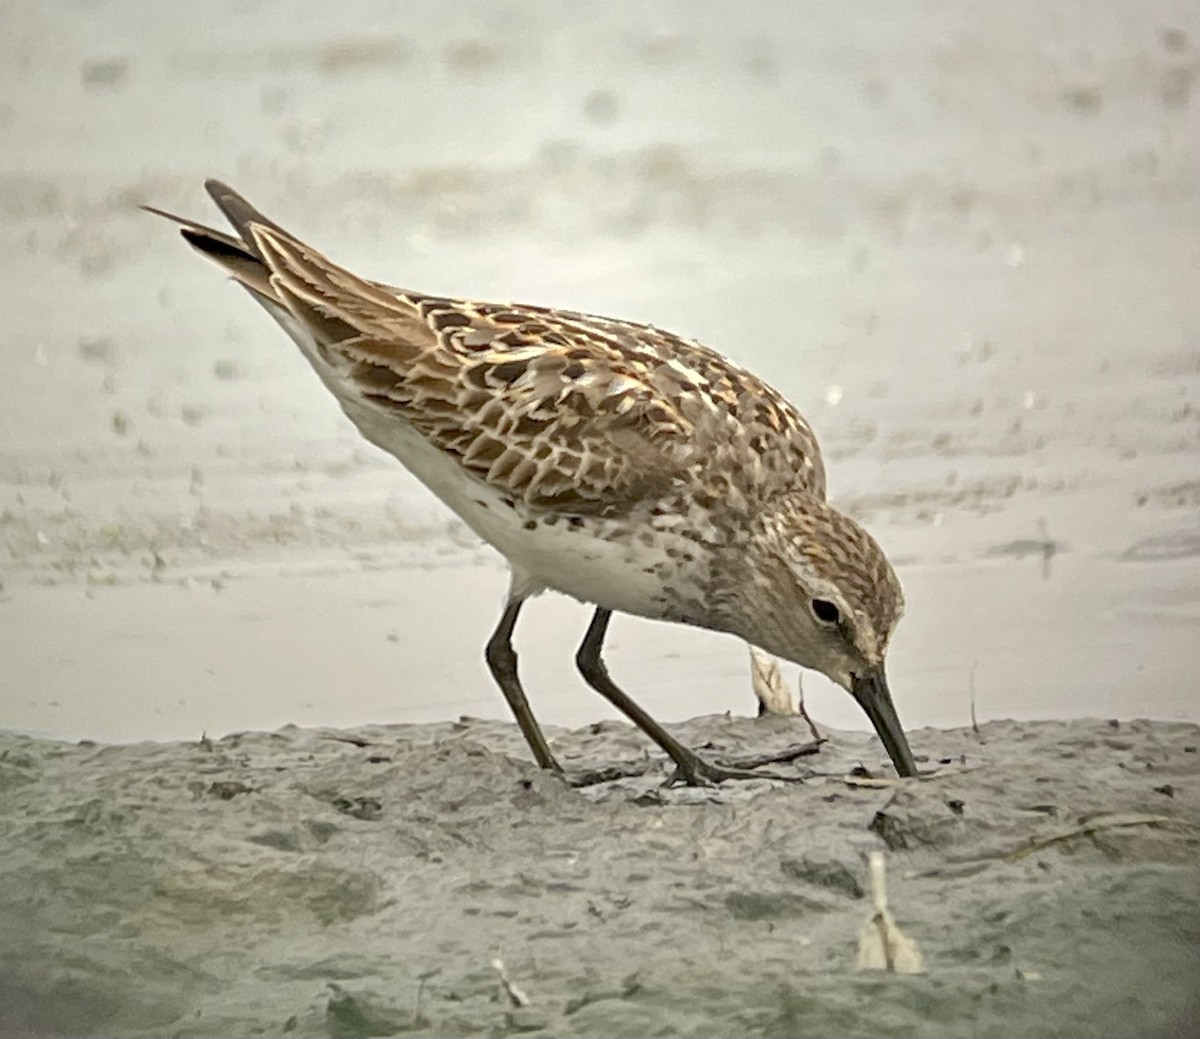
[{"x": 965, "y": 241}]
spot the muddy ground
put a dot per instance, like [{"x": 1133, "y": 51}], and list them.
[{"x": 294, "y": 883}]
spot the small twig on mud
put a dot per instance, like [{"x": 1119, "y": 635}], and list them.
[
  {"x": 881, "y": 944},
  {"x": 971, "y": 688},
  {"x": 803, "y": 711},
  {"x": 798, "y": 750},
  {"x": 514, "y": 995},
  {"x": 883, "y": 782},
  {"x": 1093, "y": 826}
]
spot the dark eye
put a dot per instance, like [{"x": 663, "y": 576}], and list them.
[{"x": 825, "y": 611}]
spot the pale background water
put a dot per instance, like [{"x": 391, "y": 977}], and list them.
[{"x": 963, "y": 238}]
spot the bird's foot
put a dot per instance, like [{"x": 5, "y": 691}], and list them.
[{"x": 696, "y": 771}]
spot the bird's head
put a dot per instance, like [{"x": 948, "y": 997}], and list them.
[{"x": 821, "y": 593}]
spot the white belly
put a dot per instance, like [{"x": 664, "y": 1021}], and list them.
[{"x": 610, "y": 572}]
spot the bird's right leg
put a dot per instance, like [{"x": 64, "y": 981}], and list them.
[
  {"x": 690, "y": 767},
  {"x": 502, "y": 660}
]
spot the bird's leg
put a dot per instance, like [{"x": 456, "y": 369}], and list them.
[
  {"x": 502, "y": 660},
  {"x": 691, "y": 768}
]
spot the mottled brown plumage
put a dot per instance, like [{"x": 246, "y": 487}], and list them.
[{"x": 610, "y": 460}]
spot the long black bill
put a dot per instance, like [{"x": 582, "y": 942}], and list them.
[{"x": 871, "y": 692}]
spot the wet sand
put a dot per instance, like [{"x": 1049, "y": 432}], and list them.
[
  {"x": 964, "y": 240},
  {"x": 294, "y": 883}
]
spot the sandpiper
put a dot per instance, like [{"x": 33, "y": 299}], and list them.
[{"x": 612, "y": 461}]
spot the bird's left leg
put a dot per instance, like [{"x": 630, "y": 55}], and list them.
[{"x": 691, "y": 768}]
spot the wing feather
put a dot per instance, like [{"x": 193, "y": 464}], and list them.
[{"x": 557, "y": 408}]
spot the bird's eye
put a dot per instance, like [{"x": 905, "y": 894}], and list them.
[{"x": 825, "y": 611}]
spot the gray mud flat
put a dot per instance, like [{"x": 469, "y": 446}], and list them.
[{"x": 360, "y": 883}]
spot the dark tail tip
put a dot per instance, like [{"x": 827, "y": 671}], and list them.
[{"x": 216, "y": 246}]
